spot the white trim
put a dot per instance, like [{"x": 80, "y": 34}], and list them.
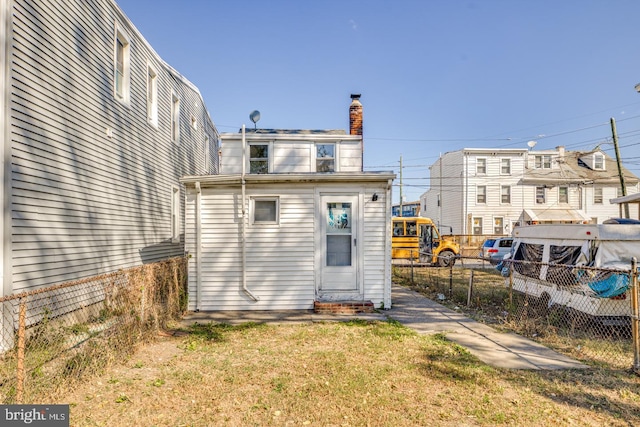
[
  {"x": 152, "y": 107},
  {"x": 252, "y": 208},
  {"x": 175, "y": 214},
  {"x": 125, "y": 96},
  {"x": 175, "y": 118}
]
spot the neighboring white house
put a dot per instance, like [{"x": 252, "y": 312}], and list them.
[
  {"x": 488, "y": 191},
  {"x": 291, "y": 220},
  {"x": 97, "y": 130}
]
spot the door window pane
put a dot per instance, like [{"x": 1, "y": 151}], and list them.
[{"x": 339, "y": 250}]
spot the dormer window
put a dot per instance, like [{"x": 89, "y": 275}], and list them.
[
  {"x": 325, "y": 157},
  {"x": 543, "y": 161},
  {"x": 259, "y": 158},
  {"x": 598, "y": 161}
]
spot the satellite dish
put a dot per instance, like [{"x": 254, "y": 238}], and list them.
[
  {"x": 255, "y": 116},
  {"x": 532, "y": 144}
]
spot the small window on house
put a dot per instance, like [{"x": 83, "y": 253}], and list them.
[
  {"x": 505, "y": 194},
  {"x": 481, "y": 166},
  {"x": 597, "y": 196},
  {"x": 152, "y": 96},
  {"x": 122, "y": 67},
  {"x": 265, "y": 210},
  {"x": 207, "y": 155},
  {"x": 175, "y": 214},
  {"x": 477, "y": 225},
  {"x": 543, "y": 161},
  {"x": 194, "y": 123},
  {"x": 481, "y": 195},
  {"x": 258, "y": 158},
  {"x": 325, "y": 157},
  {"x": 505, "y": 166},
  {"x": 541, "y": 195},
  {"x": 175, "y": 118},
  {"x": 598, "y": 161},
  {"x": 563, "y": 194}
]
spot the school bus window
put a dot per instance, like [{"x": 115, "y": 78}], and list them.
[
  {"x": 398, "y": 228},
  {"x": 412, "y": 228}
]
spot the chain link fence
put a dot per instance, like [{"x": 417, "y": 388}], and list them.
[
  {"x": 54, "y": 335},
  {"x": 565, "y": 311}
]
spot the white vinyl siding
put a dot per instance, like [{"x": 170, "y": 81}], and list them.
[{"x": 84, "y": 203}]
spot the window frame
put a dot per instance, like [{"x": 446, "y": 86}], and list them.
[
  {"x": 481, "y": 169},
  {"x": 333, "y": 158},
  {"x": 480, "y": 193},
  {"x": 542, "y": 161},
  {"x": 175, "y": 214},
  {"x": 502, "y": 166},
  {"x": 259, "y": 159},
  {"x": 502, "y": 194},
  {"x": 276, "y": 202},
  {"x": 543, "y": 197},
  {"x": 598, "y": 195},
  {"x": 598, "y": 161},
  {"x": 152, "y": 96},
  {"x": 175, "y": 118},
  {"x": 122, "y": 77},
  {"x": 565, "y": 196}
]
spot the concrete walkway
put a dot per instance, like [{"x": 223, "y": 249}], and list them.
[
  {"x": 503, "y": 350},
  {"x": 499, "y": 349}
]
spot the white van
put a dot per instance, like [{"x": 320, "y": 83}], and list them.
[{"x": 564, "y": 266}]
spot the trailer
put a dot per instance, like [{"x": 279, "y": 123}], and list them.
[{"x": 582, "y": 267}]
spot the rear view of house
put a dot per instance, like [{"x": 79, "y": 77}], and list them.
[{"x": 291, "y": 221}]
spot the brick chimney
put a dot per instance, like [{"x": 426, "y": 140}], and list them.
[{"x": 355, "y": 115}]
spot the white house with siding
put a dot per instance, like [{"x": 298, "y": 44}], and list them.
[
  {"x": 488, "y": 191},
  {"x": 290, "y": 222},
  {"x": 96, "y": 131}
]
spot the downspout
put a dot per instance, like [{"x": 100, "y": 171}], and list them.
[
  {"x": 198, "y": 246},
  {"x": 243, "y": 239}
]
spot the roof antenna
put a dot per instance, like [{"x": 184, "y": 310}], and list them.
[{"x": 254, "y": 116}]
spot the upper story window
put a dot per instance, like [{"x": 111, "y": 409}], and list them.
[
  {"x": 152, "y": 96},
  {"x": 175, "y": 118},
  {"x": 481, "y": 194},
  {"x": 481, "y": 166},
  {"x": 597, "y": 196},
  {"x": 194, "y": 123},
  {"x": 258, "y": 158},
  {"x": 543, "y": 161},
  {"x": 563, "y": 194},
  {"x": 541, "y": 195},
  {"x": 505, "y": 166},
  {"x": 505, "y": 194},
  {"x": 122, "y": 66},
  {"x": 325, "y": 157},
  {"x": 598, "y": 161}
]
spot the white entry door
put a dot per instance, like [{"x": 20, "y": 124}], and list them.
[{"x": 339, "y": 243}]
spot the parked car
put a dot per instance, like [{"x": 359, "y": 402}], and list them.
[
  {"x": 495, "y": 249},
  {"x": 621, "y": 221}
]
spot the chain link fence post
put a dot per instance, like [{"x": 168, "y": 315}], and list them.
[
  {"x": 22, "y": 320},
  {"x": 635, "y": 317}
]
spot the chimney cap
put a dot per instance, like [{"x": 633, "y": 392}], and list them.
[{"x": 355, "y": 96}]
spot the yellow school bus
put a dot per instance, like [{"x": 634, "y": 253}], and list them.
[{"x": 418, "y": 238}]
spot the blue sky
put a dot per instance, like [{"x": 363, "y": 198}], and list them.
[{"x": 435, "y": 76}]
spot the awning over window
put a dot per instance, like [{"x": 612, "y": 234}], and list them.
[{"x": 553, "y": 216}]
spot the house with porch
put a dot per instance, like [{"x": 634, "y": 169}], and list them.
[
  {"x": 489, "y": 191},
  {"x": 291, "y": 222}
]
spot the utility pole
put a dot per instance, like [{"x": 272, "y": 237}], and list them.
[
  {"x": 615, "y": 146},
  {"x": 400, "y": 214}
]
